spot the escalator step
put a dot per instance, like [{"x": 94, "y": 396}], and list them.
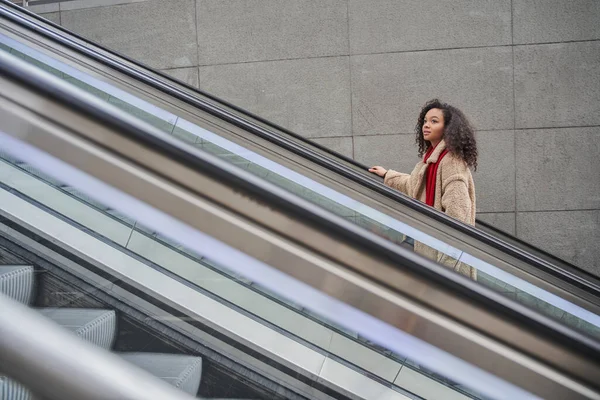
[
  {"x": 16, "y": 282},
  {"x": 11, "y": 390},
  {"x": 93, "y": 325},
  {"x": 183, "y": 372}
]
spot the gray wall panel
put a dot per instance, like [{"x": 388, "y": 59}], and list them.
[
  {"x": 159, "y": 33},
  {"x": 397, "y": 152},
  {"x": 503, "y": 221},
  {"x": 388, "y": 90},
  {"x": 495, "y": 176},
  {"x": 557, "y": 85},
  {"x": 186, "y": 75},
  {"x": 79, "y": 4},
  {"x": 232, "y": 31},
  {"x": 381, "y": 26},
  {"x": 54, "y": 17},
  {"x": 343, "y": 144},
  {"x": 558, "y": 169},
  {"x": 539, "y": 21},
  {"x": 309, "y": 96},
  {"x": 44, "y": 8},
  {"x": 571, "y": 235}
]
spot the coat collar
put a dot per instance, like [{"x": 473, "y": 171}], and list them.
[{"x": 436, "y": 153}]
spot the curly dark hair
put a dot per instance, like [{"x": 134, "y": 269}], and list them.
[{"x": 459, "y": 135}]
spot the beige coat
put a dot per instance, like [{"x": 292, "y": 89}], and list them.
[{"x": 454, "y": 195}]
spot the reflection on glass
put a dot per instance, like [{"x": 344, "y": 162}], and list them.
[
  {"x": 110, "y": 233},
  {"x": 374, "y": 221},
  {"x": 77, "y": 215}
]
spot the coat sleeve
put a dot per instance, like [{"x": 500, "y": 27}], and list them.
[
  {"x": 397, "y": 180},
  {"x": 456, "y": 201}
]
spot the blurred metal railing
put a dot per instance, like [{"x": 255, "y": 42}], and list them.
[{"x": 55, "y": 364}]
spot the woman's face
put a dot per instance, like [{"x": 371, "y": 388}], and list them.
[{"x": 433, "y": 126}]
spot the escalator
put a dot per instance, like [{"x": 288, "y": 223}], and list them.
[{"x": 280, "y": 265}]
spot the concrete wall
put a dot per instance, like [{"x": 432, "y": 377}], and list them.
[{"x": 353, "y": 74}]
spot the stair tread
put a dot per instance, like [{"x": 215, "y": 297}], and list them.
[
  {"x": 13, "y": 390},
  {"x": 17, "y": 282},
  {"x": 181, "y": 371},
  {"x": 94, "y": 325},
  {"x": 9, "y": 268}
]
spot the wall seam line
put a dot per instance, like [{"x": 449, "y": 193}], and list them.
[
  {"x": 350, "y": 77},
  {"x": 512, "y": 41}
]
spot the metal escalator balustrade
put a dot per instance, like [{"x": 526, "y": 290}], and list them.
[
  {"x": 542, "y": 270},
  {"x": 200, "y": 306},
  {"x": 565, "y": 303},
  {"x": 192, "y": 266},
  {"x": 389, "y": 294},
  {"x": 544, "y": 265},
  {"x": 20, "y": 182},
  {"x": 201, "y": 271}
]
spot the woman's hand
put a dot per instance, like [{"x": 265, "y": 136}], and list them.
[{"x": 378, "y": 170}]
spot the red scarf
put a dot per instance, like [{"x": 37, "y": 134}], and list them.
[{"x": 431, "y": 175}]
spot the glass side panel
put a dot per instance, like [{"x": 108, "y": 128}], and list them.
[
  {"x": 23, "y": 186},
  {"x": 137, "y": 281},
  {"x": 342, "y": 205}
]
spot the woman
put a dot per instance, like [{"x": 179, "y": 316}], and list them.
[{"x": 442, "y": 179}]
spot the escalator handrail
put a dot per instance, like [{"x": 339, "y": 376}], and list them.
[
  {"x": 374, "y": 247},
  {"x": 572, "y": 274}
]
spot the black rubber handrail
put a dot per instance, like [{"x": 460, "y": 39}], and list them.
[
  {"x": 575, "y": 275},
  {"x": 44, "y": 84}
]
